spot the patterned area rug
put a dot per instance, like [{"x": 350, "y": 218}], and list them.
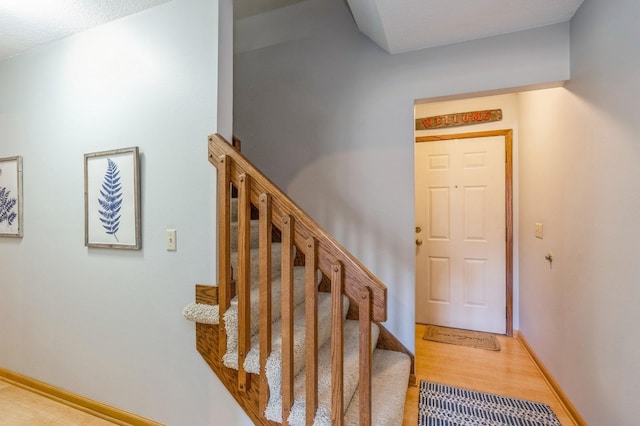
[
  {"x": 455, "y": 336},
  {"x": 442, "y": 405}
]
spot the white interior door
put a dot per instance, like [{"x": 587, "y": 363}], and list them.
[{"x": 460, "y": 216}]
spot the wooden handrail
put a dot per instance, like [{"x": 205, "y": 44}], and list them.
[
  {"x": 301, "y": 238},
  {"x": 357, "y": 276}
]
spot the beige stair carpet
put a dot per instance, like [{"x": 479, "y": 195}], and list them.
[
  {"x": 350, "y": 379},
  {"x": 230, "y": 358},
  {"x": 389, "y": 382}
]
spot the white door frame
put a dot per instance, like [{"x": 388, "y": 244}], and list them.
[{"x": 508, "y": 142}]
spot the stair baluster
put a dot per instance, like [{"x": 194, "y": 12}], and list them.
[
  {"x": 265, "y": 228},
  {"x": 224, "y": 244},
  {"x": 244, "y": 279},
  {"x": 337, "y": 345},
  {"x": 288, "y": 230},
  {"x": 311, "y": 339},
  {"x": 364, "y": 313}
]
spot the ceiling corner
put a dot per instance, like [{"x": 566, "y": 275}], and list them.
[
  {"x": 369, "y": 22},
  {"x": 400, "y": 26}
]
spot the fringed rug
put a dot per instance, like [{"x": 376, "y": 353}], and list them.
[
  {"x": 455, "y": 336},
  {"x": 442, "y": 405}
]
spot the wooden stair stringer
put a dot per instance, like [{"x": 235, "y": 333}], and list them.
[{"x": 389, "y": 342}]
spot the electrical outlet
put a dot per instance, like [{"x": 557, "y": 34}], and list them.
[
  {"x": 171, "y": 240},
  {"x": 539, "y": 229}
]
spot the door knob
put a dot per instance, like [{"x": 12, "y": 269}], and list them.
[{"x": 418, "y": 242}]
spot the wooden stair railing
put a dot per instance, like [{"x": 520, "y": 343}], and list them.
[
  {"x": 321, "y": 252},
  {"x": 330, "y": 251}
]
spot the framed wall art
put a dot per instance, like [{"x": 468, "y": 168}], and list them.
[
  {"x": 11, "y": 197},
  {"x": 112, "y": 199}
]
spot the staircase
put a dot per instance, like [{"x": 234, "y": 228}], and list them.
[{"x": 300, "y": 341}]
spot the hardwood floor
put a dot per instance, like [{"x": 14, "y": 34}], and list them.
[
  {"x": 509, "y": 372},
  {"x": 24, "y": 408}
]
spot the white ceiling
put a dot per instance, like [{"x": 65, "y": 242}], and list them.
[
  {"x": 396, "y": 25},
  {"x": 25, "y": 24},
  {"x": 405, "y": 25}
]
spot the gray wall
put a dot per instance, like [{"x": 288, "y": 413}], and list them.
[
  {"x": 104, "y": 323},
  {"x": 579, "y": 175},
  {"x": 328, "y": 116}
]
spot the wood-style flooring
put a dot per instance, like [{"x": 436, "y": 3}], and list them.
[
  {"x": 20, "y": 407},
  {"x": 510, "y": 372}
]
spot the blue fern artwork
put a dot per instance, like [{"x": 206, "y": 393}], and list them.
[
  {"x": 111, "y": 201},
  {"x": 7, "y": 206}
]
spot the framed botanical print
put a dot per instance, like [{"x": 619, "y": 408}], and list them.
[
  {"x": 11, "y": 197},
  {"x": 112, "y": 199}
]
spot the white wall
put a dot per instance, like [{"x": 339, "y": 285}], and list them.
[
  {"x": 328, "y": 116},
  {"x": 509, "y": 105},
  {"x": 579, "y": 175},
  {"x": 103, "y": 323}
]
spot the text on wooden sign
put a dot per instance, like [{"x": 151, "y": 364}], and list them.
[{"x": 458, "y": 119}]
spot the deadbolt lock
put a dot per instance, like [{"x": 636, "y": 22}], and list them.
[{"x": 418, "y": 230}]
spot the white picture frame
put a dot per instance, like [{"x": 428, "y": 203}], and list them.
[
  {"x": 112, "y": 199},
  {"x": 11, "y": 207}
]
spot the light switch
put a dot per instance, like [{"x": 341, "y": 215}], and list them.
[
  {"x": 171, "y": 240},
  {"x": 539, "y": 233}
]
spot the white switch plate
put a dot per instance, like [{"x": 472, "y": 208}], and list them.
[
  {"x": 539, "y": 233},
  {"x": 171, "y": 240}
]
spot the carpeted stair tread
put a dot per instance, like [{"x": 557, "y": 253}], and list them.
[
  {"x": 234, "y": 210},
  {"x": 208, "y": 314},
  {"x": 389, "y": 380},
  {"x": 255, "y": 236},
  {"x": 351, "y": 376},
  {"x": 200, "y": 312},
  {"x": 276, "y": 263},
  {"x": 231, "y": 316},
  {"x": 252, "y": 361}
]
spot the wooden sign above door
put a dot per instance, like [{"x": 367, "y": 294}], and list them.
[{"x": 458, "y": 119}]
